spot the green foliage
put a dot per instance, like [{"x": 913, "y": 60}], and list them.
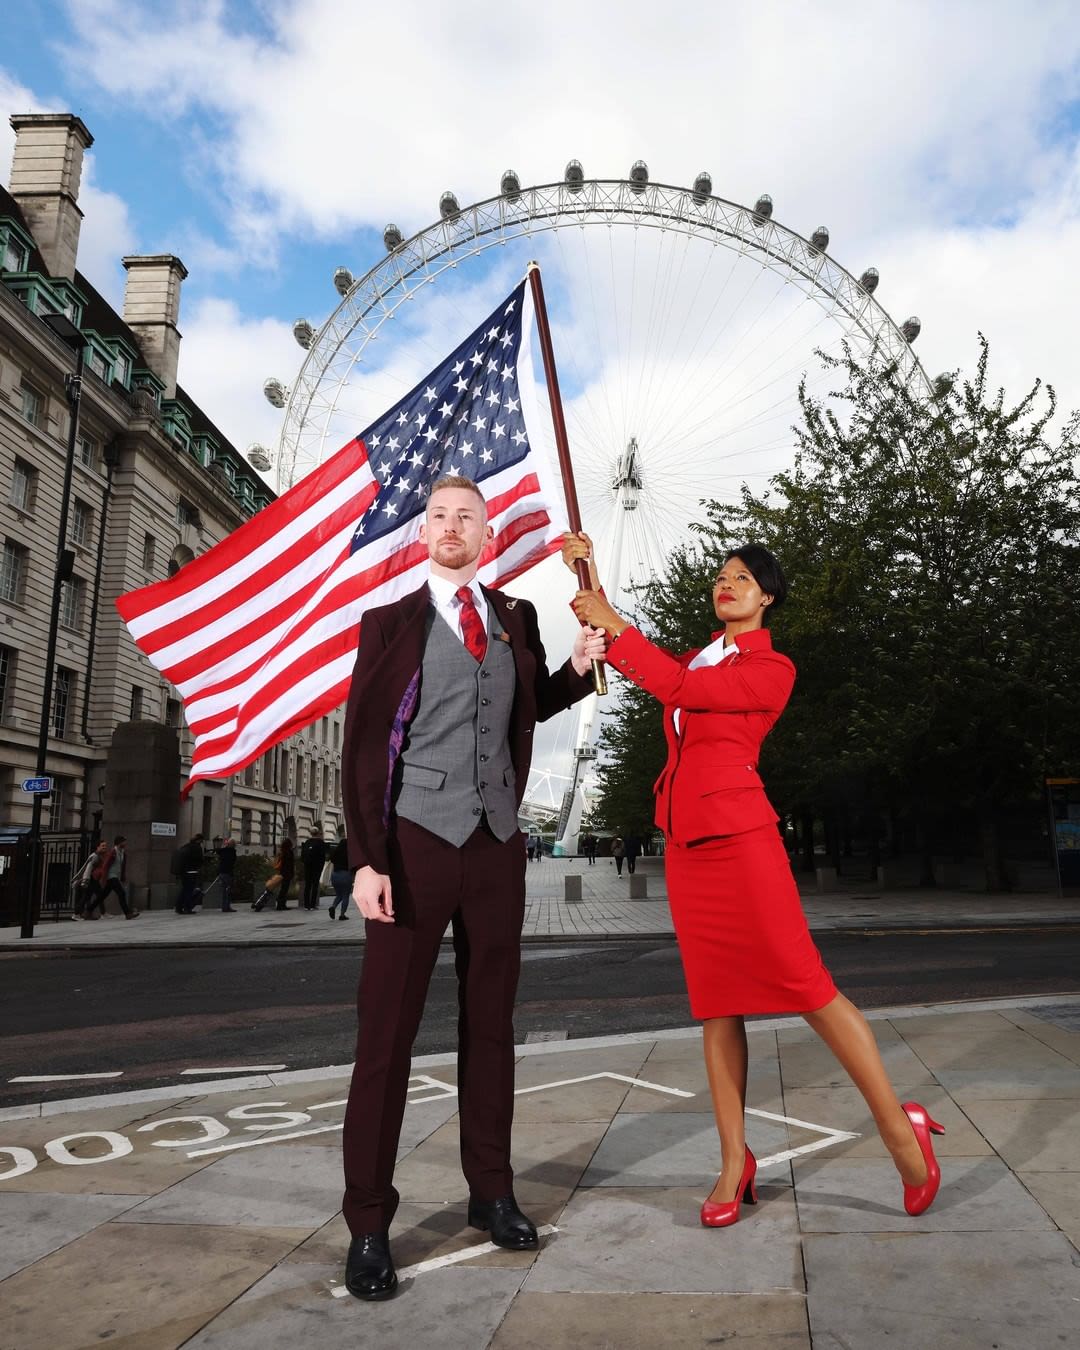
[{"x": 934, "y": 614}]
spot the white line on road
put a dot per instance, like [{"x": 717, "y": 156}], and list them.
[
  {"x": 63, "y": 1077},
  {"x": 619, "y": 1077},
  {"x": 235, "y": 1068},
  {"x": 452, "y": 1259},
  {"x": 273, "y": 1139}
]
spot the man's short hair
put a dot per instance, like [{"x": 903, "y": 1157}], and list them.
[{"x": 456, "y": 480}]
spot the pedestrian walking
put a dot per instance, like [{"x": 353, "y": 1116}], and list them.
[
  {"x": 226, "y": 861},
  {"x": 91, "y": 882},
  {"x": 618, "y": 852},
  {"x": 539, "y": 842},
  {"x": 530, "y": 847},
  {"x": 631, "y": 850},
  {"x": 448, "y": 686},
  {"x": 588, "y": 847},
  {"x": 313, "y": 858},
  {"x": 341, "y": 879},
  {"x": 743, "y": 937},
  {"x": 188, "y": 862},
  {"x": 279, "y": 881},
  {"x": 115, "y": 875}
]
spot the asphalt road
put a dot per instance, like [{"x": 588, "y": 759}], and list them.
[{"x": 150, "y": 1013}]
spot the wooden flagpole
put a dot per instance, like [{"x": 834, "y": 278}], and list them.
[{"x": 562, "y": 444}]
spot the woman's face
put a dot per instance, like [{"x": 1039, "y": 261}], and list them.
[{"x": 737, "y": 598}]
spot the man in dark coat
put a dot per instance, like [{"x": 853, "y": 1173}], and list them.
[
  {"x": 313, "y": 857},
  {"x": 449, "y": 683}
]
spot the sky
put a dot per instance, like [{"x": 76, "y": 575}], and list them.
[{"x": 267, "y": 143}]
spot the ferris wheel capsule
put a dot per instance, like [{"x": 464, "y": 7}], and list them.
[
  {"x": 703, "y": 187},
  {"x": 275, "y": 392},
  {"x": 343, "y": 280},
  {"x": 391, "y": 237},
  {"x": 574, "y": 175},
  {"x": 911, "y": 328},
  {"x": 510, "y": 185},
  {"x": 303, "y": 332},
  {"x": 820, "y": 238},
  {"x": 259, "y": 457},
  {"x": 448, "y": 206},
  {"x": 639, "y": 176},
  {"x": 869, "y": 280},
  {"x": 943, "y": 383},
  {"x": 762, "y": 209}
]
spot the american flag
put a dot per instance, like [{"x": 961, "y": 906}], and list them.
[{"x": 259, "y": 634}]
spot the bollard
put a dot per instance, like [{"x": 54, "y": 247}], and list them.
[
  {"x": 572, "y": 890},
  {"x": 826, "y": 880},
  {"x": 639, "y": 887}
]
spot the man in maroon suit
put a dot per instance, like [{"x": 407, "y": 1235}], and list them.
[{"x": 449, "y": 684}]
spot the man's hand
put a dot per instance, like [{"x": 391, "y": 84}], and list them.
[
  {"x": 371, "y": 891},
  {"x": 580, "y": 546},
  {"x": 589, "y": 645}
]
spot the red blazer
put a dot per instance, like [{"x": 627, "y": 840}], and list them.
[
  {"x": 383, "y": 697},
  {"x": 710, "y": 784}
]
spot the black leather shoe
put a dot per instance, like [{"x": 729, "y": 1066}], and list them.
[
  {"x": 507, "y": 1225},
  {"x": 369, "y": 1268}
]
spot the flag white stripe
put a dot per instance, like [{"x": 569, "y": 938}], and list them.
[{"x": 241, "y": 571}]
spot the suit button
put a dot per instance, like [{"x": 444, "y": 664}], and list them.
[
  {"x": 484, "y": 702},
  {"x": 483, "y": 785},
  {"x": 483, "y": 731},
  {"x": 477, "y": 811},
  {"x": 483, "y": 759},
  {"x": 485, "y": 674}
]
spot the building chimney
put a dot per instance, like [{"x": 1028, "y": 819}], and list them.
[
  {"x": 45, "y": 173},
  {"x": 151, "y": 309}
]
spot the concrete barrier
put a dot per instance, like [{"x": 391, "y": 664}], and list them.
[
  {"x": 639, "y": 887},
  {"x": 572, "y": 889},
  {"x": 826, "y": 880}
]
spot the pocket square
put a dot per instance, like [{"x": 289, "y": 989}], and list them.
[{"x": 503, "y": 637}]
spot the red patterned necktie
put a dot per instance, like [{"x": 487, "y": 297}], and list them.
[{"x": 472, "y": 628}]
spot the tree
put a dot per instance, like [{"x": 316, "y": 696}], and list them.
[{"x": 935, "y": 608}]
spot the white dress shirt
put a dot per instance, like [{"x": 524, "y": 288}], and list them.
[
  {"x": 444, "y": 598},
  {"x": 711, "y": 655}
]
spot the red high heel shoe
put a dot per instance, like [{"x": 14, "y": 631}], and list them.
[
  {"x": 918, "y": 1199},
  {"x": 722, "y": 1215}
]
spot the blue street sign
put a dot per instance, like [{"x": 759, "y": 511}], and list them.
[{"x": 37, "y": 785}]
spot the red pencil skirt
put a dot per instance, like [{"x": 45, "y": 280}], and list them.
[{"x": 742, "y": 934}]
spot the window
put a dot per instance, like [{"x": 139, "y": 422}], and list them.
[
  {"x": 337, "y": 735},
  {"x": 33, "y": 405},
  {"x": 13, "y": 572},
  {"x": 7, "y": 680},
  {"x": 245, "y": 825},
  {"x": 97, "y": 363},
  {"x": 23, "y": 486},
  {"x": 337, "y": 787},
  {"x": 136, "y": 703},
  {"x": 186, "y": 514},
  {"x": 301, "y": 775},
  {"x": 58, "y": 801},
  {"x": 82, "y": 523},
  {"x": 283, "y": 770},
  {"x": 88, "y": 452},
  {"x": 172, "y": 712},
  {"x": 312, "y": 770},
  {"x": 249, "y": 775},
  {"x": 63, "y": 699},
  {"x": 148, "y": 545},
  {"x": 208, "y": 817},
  {"x": 122, "y": 369},
  {"x": 325, "y": 726},
  {"x": 71, "y": 602},
  {"x": 14, "y": 256},
  {"x": 320, "y": 781},
  {"x": 264, "y": 827}
]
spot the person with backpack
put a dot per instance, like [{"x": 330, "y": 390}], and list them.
[
  {"x": 313, "y": 856},
  {"x": 91, "y": 882},
  {"x": 187, "y": 865},
  {"x": 114, "y": 873}
]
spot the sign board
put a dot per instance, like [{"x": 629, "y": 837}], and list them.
[
  {"x": 37, "y": 785},
  {"x": 163, "y": 827}
]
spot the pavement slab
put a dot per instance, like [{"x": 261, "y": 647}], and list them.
[
  {"x": 950, "y": 1291},
  {"x": 624, "y": 1321}
]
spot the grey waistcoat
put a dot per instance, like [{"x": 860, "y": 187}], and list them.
[{"x": 455, "y": 763}]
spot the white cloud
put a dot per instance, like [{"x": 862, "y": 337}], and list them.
[{"x": 107, "y": 235}]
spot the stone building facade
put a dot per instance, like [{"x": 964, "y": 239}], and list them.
[{"x": 155, "y": 484}]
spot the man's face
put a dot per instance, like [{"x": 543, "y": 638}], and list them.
[{"x": 455, "y": 528}]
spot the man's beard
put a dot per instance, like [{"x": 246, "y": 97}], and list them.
[{"x": 454, "y": 556}]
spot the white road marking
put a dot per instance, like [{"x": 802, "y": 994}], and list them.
[
  {"x": 452, "y": 1259},
  {"x": 831, "y": 1136},
  {"x": 63, "y": 1077},
  {"x": 273, "y": 1139},
  {"x": 242, "y": 1068},
  {"x": 619, "y": 1077}
]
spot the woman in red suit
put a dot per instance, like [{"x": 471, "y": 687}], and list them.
[{"x": 742, "y": 935}]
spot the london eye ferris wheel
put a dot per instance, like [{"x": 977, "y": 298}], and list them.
[{"x": 682, "y": 325}]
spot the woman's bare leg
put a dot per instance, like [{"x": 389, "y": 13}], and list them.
[
  {"x": 726, "y": 1062},
  {"x": 847, "y": 1034}
]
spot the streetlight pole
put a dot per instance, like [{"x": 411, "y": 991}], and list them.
[{"x": 66, "y": 331}]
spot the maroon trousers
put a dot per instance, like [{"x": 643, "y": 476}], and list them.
[{"x": 480, "y": 889}]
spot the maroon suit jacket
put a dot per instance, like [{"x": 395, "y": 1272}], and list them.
[
  {"x": 710, "y": 784},
  {"x": 384, "y": 685}
]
